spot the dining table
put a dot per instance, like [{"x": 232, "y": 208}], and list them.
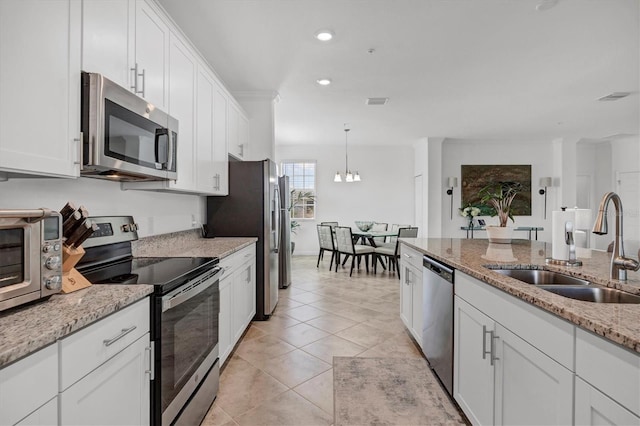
[{"x": 368, "y": 236}]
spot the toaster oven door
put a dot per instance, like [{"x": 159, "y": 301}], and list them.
[{"x": 19, "y": 273}]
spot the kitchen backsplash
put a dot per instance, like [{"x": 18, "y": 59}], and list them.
[{"x": 156, "y": 213}]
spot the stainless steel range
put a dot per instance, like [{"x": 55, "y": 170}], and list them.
[{"x": 184, "y": 317}]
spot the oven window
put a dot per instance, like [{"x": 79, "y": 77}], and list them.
[
  {"x": 189, "y": 334},
  {"x": 134, "y": 139},
  {"x": 12, "y": 262}
]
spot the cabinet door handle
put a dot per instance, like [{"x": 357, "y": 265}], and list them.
[
  {"x": 241, "y": 146},
  {"x": 406, "y": 275},
  {"x": 124, "y": 332},
  {"x": 151, "y": 371},
  {"x": 493, "y": 349},
  {"x": 143, "y": 83},
  {"x": 484, "y": 343},
  {"x": 134, "y": 80},
  {"x": 78, "y": 140}
]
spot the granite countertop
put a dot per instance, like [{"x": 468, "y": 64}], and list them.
[
  {"x": 616, "y": 322},
  {"x": 190, "y": 244},
  {"x": 28, "y": 328}
]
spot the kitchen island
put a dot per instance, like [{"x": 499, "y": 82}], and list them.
[
  {"x": 619, "y": 323},
  {"x": 522, "y": 354}
]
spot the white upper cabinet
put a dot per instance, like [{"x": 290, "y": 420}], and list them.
[
  {"x": 238, "y": 133},
  {"x": 151, "y": 56},
  {"x": 108, "y": 34},
  {"x": 182, "y": 90},
  {"x": 211, "y": 130},
  {"x": 40, "y": 87}
]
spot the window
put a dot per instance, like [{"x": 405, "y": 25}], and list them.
[{"x": 302, "y": 185}]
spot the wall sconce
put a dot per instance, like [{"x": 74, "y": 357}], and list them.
[
  {"x": 453, "y": 182},
  {"x": 545, "y": 182}
]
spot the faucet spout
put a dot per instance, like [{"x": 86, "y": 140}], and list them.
[{"x": 619, "y": 263}]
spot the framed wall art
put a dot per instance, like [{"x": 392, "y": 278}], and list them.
[{"x": 475, "y": 177}]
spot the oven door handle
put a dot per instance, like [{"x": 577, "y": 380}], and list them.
[{"x": 172, "y": 300}]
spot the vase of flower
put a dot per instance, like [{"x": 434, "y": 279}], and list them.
[{"x": 469, "y": 212}]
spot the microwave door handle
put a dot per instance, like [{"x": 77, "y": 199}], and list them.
[
  {"x": 159, "y": 134},
  {"x": 171, "y": 149}
]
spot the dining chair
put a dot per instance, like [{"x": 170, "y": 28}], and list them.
[
  {"x": 393, "y": 255},
  {"x": 391, "y": 241},
  {"x": 379, "y": 227},
  {"x": 325, "y": 239},
  {"x": 347, "y": 247}
]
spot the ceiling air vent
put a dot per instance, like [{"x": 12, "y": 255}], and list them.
[
  {"x": 377, "y": 101},
  {"x": 614, "y": 96}
]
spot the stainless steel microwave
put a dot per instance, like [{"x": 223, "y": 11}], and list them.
[
  {"x": 30, "y": 256},
  {"x": 125, "y": 138}
]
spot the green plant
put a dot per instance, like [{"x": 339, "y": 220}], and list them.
[
  {"x": 500, "y": 195},
  {"x": 297, "y": 198}
]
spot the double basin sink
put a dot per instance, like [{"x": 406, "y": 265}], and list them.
[{"x": 568, "y": 286}]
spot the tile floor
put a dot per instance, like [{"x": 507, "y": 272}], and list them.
[{"x": 281, "y": 371}]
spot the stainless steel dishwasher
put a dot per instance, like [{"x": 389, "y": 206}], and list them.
[{"x": 437, "y": 319}]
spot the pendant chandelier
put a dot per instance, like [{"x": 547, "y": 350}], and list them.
[{"x": 348, "y": 176}]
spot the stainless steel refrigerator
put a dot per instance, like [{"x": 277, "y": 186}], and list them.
[
  {"x": 252, "y": 209},
  {"x": 285, "y": 233}
]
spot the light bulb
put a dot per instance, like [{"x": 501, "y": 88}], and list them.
[
  {"x": 337, "y": 178},
  {"x": 356, "y": 178},
  {"x": 349, "y": 176}
]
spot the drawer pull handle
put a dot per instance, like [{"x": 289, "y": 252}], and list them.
[{"x": 123, "y": 333}]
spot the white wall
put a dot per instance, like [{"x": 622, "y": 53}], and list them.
[
  {"x": 155, "y": 212},
  {"x": 456, "y": 153},
  {"x": 385, "y": 193}
]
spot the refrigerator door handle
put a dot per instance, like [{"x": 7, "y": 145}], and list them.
[{"x": 275, "y": 214}]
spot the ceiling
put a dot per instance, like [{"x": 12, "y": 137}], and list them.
[{"x": 462, "y": 69}]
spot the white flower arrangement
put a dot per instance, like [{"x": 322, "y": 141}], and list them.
[{"x": 470, "y": 211}]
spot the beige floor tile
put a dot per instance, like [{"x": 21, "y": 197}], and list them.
[
  {"x": 307, "y": 297},
  {"x": 396, "y": 347},
  {"x": 294, "y": 367},
  {"x": 217, "y": 417},
  {"x": 288, "y": 408},
  {"x": 319, "y": 390},
  {"x": 331, "y": 346},
  {"x": 300, "y": 334},
  {"x": 288, "y": 303},
  {"x": 275, "y": 323},
  {"x": 252, "y": 332},
  {"x": 395, "y": 325},
  {"x": 260, "y": 349},
  {"x": 305, "y": 313},
  {"x": 292, "y": 290},
  {"x": 365, "y": 335},
  {"x": 243, "y": 387},
  {"x": 331, "y": 323}
]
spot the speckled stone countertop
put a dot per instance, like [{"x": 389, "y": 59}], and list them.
[
  {"x": 619, "y": 323},
  {"x": 190, "y": 244},
  {"x": 28, "y": 328}
]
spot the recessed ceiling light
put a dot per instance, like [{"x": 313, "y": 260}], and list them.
[
  {"x": 323, "y": 81},
  {"x": 324, "y": 35}
]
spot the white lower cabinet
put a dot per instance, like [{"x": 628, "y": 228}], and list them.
[
  {"x": 237, "y": 298},
  {"x": 105, "y": 370},
  {"x": 45, "y": 415},
  {"x": 592, "y": 407},
  {"x": 411, "y": 291},
  {"x": 27, "y": 386},
  {"x": 116, "y": 393},
  {"x": 513, "y": 362}
]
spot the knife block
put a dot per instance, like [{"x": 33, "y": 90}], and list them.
[{"x": 72, "y": 280}]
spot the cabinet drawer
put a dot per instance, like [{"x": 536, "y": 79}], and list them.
[
  {"x": 232, "y": 262},
  {"x": 28, "y": 384},
  {"x": 82, "y": 352},
  {"x": 411, "y": 256},
  {"x": 612, "y": 369}
]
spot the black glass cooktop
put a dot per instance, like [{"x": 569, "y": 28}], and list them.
[{"x": 166, "y": 273}]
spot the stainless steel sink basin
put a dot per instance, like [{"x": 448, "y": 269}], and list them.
[
  {"x": 541, "y": 277},
  {"x": 593, "y": 294}
]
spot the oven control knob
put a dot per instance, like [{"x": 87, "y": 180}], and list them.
[
  {"x": 53, "y": 262},
  {"x": 53, "y": 283},
  {"x": 47, "y": 248}
]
